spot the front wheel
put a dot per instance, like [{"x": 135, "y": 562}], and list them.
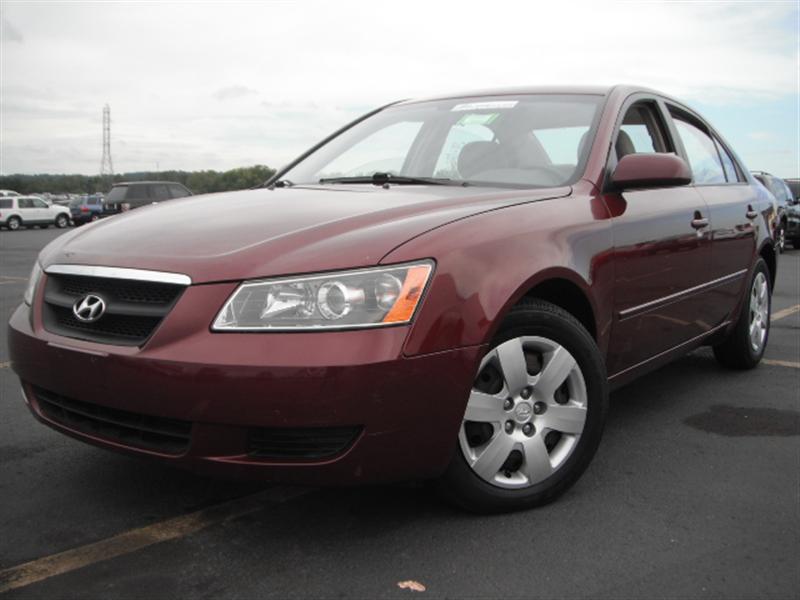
[
  {"x": 745, "y": 345},
  {"x": 535, "y": 415},
  {"x": 62, "y": 221},
  {"x": 780, "y": 241}
]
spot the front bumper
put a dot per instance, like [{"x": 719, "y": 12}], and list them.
[{"x": 407, "y": 410}]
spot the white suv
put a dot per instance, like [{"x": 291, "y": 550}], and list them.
[{"x": 19, "y": 211}]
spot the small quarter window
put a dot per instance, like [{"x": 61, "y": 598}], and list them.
[
  {"x": 728, "y": 165},
  {"x": 641, "y": 132},
  {"x": 6, "y": 203}
]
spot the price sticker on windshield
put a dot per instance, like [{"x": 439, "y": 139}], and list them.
[{"x": 490, "y": 105}]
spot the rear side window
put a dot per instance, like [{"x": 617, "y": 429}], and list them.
[
  {"x": 117, "y": 194},
  {"x": 701, "y": 152},
  {"x": 137, "y": 195},
  {"x": 178, "y": 191},
  {"x": 25, "y": 203},
  {"x": 6, "y": 203}
]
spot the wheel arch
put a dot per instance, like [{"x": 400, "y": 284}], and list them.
[
  {"x": 560, "y": 286},
  {"x": 767, "y": 252}
]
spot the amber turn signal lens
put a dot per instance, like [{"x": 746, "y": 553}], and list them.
[{"x": 410, "y": 295}]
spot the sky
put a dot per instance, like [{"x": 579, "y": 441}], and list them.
[{"x": 219, "y": 85}]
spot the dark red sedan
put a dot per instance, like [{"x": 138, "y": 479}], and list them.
[{"x": 444, "y": 289}]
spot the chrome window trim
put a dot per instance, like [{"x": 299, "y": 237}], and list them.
[
  {"x": 119, "y": 273},
  {"x": 658, "y": 302}
]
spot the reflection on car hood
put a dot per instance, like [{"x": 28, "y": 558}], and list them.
[{"x": 258, "y": 233}]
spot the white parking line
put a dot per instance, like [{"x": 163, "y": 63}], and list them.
[
  {"x": 5, "y": 365},
  {"x": 781, "y": 363},
  {"x": 136, "y": 539},
  {"x": 786, "y": 312}
]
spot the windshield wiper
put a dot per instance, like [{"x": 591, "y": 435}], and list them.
[{"x": 388, "y": 178}]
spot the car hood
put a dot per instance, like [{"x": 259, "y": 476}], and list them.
[{"x": 259, "y": 233}]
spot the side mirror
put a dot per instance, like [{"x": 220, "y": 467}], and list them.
[{"x": 651, "y": 171}]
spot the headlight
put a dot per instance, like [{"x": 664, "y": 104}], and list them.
[
  {"x": 342, "y": 300},
  {"x": 33, "y": 281}
]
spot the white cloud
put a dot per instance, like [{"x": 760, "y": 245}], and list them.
[{"x": 206, "y": 85}]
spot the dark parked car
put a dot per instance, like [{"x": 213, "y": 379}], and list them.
[
  {"x": 86, "y": 209},
  {"x": 134, "y": 194},
  {"x": 793, "y": 213},
  {"x": 445, "y": 289},
  {"x": 783, "y": 197}
]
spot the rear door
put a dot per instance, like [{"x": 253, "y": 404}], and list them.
[
  {"x": 732, "y": 205},
  {"x": 662, "y": 252},
  {"x": 27, "y": 211}
]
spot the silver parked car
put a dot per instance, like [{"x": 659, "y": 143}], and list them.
[{"x": 26, "y": 211}]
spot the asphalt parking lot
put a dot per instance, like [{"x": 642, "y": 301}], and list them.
[{"x": 693, "y": 494}]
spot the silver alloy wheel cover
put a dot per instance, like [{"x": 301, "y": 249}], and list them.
[
  {"x": 569, "y": 419},
  {"x": 13, "y": 224},
  {"x": 759, "y": 312}
]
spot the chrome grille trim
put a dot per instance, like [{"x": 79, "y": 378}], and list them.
[{"x": 119, "y": 273}]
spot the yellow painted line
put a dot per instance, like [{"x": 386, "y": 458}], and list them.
[
  {"x": 786, "y": 312},
  {"x": 13, "y": 282},
  {"x": 136, "y": 539},
  {"x": 10, "y": 278},
  {"x": 781, "y": 363}
]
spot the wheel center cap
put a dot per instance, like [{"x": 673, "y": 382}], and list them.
[{"x": 523, "y": 412}]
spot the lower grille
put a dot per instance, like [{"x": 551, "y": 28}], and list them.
[
  {"x": 309, "y": 443},
  {"x": 159, "y": 434}
]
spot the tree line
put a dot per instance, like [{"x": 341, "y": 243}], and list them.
[{"x": 200, "y": 182}]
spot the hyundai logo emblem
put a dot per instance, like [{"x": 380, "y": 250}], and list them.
[{"x": 89, "y": 308}]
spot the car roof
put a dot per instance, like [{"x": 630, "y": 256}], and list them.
[
  {"x": 589, "y": 90},
  {"x": 145, "y": 182}
]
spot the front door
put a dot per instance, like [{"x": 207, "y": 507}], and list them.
[{"x": 662, "y": 253}]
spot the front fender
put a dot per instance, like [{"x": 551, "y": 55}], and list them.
[{"x": 487, "y": 262}]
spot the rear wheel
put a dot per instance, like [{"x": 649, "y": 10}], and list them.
[
  {"x": 534, "y": 417},
  {"x": 62, "y": 221},
  {"x": 745, "y": 345},
  {"x": 780, "y": 235},
  {"x": 14, "y": 223}
]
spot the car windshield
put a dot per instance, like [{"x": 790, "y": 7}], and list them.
[{"x": 536, "y": 140}]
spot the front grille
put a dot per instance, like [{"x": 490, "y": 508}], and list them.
[
  {"x": 308, "y": 443},
  {"x": 159, "y": 434},
  {"x": 133, "y": 308}
]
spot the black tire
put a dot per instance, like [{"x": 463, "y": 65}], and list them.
[
  {"x": 736, "y": 351},
  {"x": 780, "y": 238},
  {"x": 62, "y": 221},
  {"x": 14, "y": 223},
  {"x": 463, "y": 487}
]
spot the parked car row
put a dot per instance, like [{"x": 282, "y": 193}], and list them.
[
  {"x": 18, "y": 211},
  {"x": 784, "y": 198}
]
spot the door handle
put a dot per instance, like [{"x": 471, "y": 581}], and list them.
[{"x": 699, "y": 222}]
